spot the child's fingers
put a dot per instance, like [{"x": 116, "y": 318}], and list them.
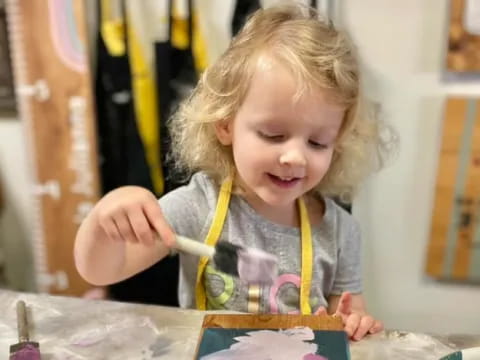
[
  {"x": 140, "y": 226},
  {"x": 154, "y": 215},
  {"x": 365, "y": 325},
  {"x": 124, "y": 227},
  {"x": 351, "y": 324},
  {"x": 110, "y": 228},
  {"x": 321, "y": 311},
  {"x": 344, "y": 304},
  {"x": 377, "y": 327}
]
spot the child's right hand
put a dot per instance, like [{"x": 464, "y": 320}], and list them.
[
  {"x": 118, "y": 238},
  {"x": 132, "y": 214}
]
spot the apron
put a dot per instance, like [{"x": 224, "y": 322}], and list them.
[
  {"x": 178, "y": 62},
  {"x": 121, "y": 150},
  {"x": 214, "y": 234}
]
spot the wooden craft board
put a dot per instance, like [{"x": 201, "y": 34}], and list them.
[
  {"x": 454, "y": 246},
  {"x": 463, "y": 53},
  {"x": 219, "y": 330}
]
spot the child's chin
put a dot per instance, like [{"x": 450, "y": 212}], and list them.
[{"x": 277, "y": 201}]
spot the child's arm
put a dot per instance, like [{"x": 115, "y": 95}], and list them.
[
  {"x": 352, "y": 309},
  {"x": 118, "y": 238}
]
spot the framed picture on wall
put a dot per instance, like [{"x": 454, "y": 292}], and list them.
[{"x": 463, "y": 53}]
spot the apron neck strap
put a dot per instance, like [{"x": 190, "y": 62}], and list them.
[
  {"x": 216, "y": 230},
  {"x": 307, "y": 258},
  {"x": 212, "y": 237}
]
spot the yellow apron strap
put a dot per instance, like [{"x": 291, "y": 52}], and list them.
[
  {"x": 212, "y": 238},
  {"x": 214, "y": 234},
  {"x": 307, "y": 259}
]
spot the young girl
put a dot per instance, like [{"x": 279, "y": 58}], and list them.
[{"x": 274, "y": 129}]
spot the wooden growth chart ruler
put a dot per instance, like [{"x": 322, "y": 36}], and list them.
[{"x": 53, "y": 85}]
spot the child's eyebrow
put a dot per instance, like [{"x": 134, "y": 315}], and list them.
[
  {"x": 325, "y": 133},
  {"x": 273, "y": 126},
  {"x": 267, "y": 119}
]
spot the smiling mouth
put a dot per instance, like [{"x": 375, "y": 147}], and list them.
[{"x": 284, "y": 182}]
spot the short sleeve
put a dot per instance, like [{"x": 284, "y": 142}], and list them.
[
  {"x": 187, "y": 208},
  {"x": 348, "y": 276}
]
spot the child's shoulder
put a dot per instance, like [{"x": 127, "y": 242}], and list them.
[
  {"x": 339, "y": 225},
  {"x": 338, "y": 216},
  {"x": 188, "y": 207}
]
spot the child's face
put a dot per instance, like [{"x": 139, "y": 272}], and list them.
[{"x": 282, "y": 148}]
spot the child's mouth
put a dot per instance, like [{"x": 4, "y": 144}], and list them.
[{"x": 283, "y": 182}]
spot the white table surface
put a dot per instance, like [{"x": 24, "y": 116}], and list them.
[{"x": 73, "y": 328}]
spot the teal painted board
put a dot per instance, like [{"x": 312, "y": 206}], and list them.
[{"x": 300, "y": 343}]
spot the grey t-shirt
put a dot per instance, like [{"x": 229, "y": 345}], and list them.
[{"x": 336, "y": 247}]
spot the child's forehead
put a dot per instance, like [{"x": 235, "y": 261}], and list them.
[
  {"x": 272, "y": 74},
  {"x": 272, "y": 95}
]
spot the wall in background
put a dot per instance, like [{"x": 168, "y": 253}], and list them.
[
  {"x": 15, "y": 220},
  {"x": 402, "y": 45}
]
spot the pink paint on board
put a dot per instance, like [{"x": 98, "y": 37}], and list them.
[{"x": 314, "y": 357}]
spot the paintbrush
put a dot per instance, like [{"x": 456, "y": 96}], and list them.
[
  {"x": 249, "y": 264},
  {"x": 24, "y": 349}
]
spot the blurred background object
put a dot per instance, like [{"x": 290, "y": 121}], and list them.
[
  {"x": 7, "y": 92},
  {"x": 464, "y": 36}
]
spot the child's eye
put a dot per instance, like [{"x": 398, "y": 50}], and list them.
[
  {"x": 317, "y": 145},
  {"x": 271, "y": 137}
]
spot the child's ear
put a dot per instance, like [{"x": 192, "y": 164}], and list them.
[{"x": 224, "y": 131}]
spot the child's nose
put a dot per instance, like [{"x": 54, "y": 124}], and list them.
[{"x": 294, "y": 157}]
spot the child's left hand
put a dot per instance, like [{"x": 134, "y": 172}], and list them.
[{"x": 351, "y": 308}]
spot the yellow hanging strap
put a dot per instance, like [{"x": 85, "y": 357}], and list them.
[
  {"x": 181, "y": 37},
  {"x": 144, "y": 91},
  {"x": 212, "y": 238},
  {"x": 112, "y": 28},
  {"x": 199, "y": 46},
  {"x": 307, "y": 259}
]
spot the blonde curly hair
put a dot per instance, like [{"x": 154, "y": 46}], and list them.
[{"x": 319, "y": 57}]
